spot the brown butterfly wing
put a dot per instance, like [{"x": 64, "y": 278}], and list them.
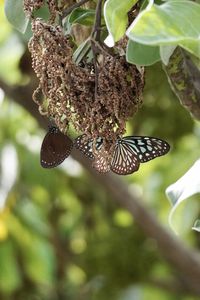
[{"x": 56, "y": 147}]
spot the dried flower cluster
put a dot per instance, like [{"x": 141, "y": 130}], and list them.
[
  {"x": 97, "y": 102},
  {"x": 119, "y": 95},
  {"x": 70, "y": 89},
  {"x": 51, "y": 60}
]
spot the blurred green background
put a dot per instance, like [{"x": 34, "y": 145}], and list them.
[{"x": 61, "y": 234}]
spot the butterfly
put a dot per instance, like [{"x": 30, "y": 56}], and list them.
[
  {"x": 56, "y": 146},
  {"x": 128, "y": 152},
  {"x": 100, "y": 161}
]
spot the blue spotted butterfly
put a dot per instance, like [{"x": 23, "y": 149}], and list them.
[{"x": 129, "y": 152}]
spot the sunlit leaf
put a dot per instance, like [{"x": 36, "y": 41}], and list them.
[
  {"x": 32, "y": 217},
  {"x": 10, "y": 278},
  {"x": 143, "y": 55},
  {"x": 39, "y": 261},
  {"x": 165, "y": 25},
  {"x": 196, "y": 225},
  {"x": 3, "y": 230},
  {"x": 166, "y": 52},
  {"x": 116, "y": 17},
  {"x": 15, "y": 14},
  {"x": 185, "y": 187}
]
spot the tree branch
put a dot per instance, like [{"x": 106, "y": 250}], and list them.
[
  {"x": 184, "y": 259},
  {"x": 173, "y": 286}
]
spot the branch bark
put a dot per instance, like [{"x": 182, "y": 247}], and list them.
[{"x": 184, "y": 259}]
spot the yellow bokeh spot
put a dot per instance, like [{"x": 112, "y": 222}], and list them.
[
  {"x": 78, "y": 245},
  {"x": 123, "y": 218},
  {"x": 3, "y": 231},
  {"x": 76, "y": 275}
]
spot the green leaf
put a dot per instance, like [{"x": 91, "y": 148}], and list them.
[
  {"x": 142, "y": 55},
  {"x": 31, "y": 216},
  {"x": 10, "y": 279},
  {"x": 15, "y": 14},
  {"x": 39, "y": 261},
  {"x": 192, "y": 47},
  {"x": 82, "y": 16},
  {"x": 196, "y": 225},
  {"x": 166, "y": 52},
  {"x": 172, "y": 23},
  {"x": 185, "y": 187},
  {"x": 66, "y": 26},
  {"x": 116, "y": 17},
  {"x": 37, "y": 252},
  {"x": 82, "y": 51}
]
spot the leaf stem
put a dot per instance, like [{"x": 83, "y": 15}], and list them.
[
  {"x": 95, "y": 38},
  {"x": 71, "y": 8},
  {"x": 96, "y": 31}
]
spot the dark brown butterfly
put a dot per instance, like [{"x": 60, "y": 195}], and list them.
[
  {"x": 56, "y": 146},
  {"x": 129, "y": 152}
]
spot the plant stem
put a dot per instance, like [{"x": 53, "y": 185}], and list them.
[
  {"x": 97, "y": 24},
  {"x": 71, "y": 8},
  {"x": 95, "y": 36}
]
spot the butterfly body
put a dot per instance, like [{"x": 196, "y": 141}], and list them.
[
  {"x": 56, "y": 147},
  {"x": 128, "y": 152}
]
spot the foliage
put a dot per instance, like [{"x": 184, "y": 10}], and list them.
[
  {"x": 61, "y": 236},
  {"x": 15, "y": 15},
  {"x": 156, "y": 25}
]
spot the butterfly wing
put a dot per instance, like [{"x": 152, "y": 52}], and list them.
[
  {"x": 86, "y": 146},
  {"x": 146, "y": 147},
  {"x": 128, "y": 152},
  {"x": 125, "y": 160},
  {"x": 55, "y": 148},
  {"x": 101, "y": 163}
]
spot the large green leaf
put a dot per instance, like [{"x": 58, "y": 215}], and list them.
[
  {"x": 32, "y": 217},
  {"x": 10, "y": 279},
  {"x": 15, "y": 14},
  {"x": 79, "y": 16},
  {"x": 39, "y": 261},
  {"x": 37, "y": 252},
  {"x": 116, "y": 17},
  {"x": 196, "y": 225},
  {"x": 142, "y": 55},
  {"x": 172, "y": 23},
  {"x": 166, "y": 52},
  {"x": 185, "y": 187},
  {"x": 82, "y": 16}
]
